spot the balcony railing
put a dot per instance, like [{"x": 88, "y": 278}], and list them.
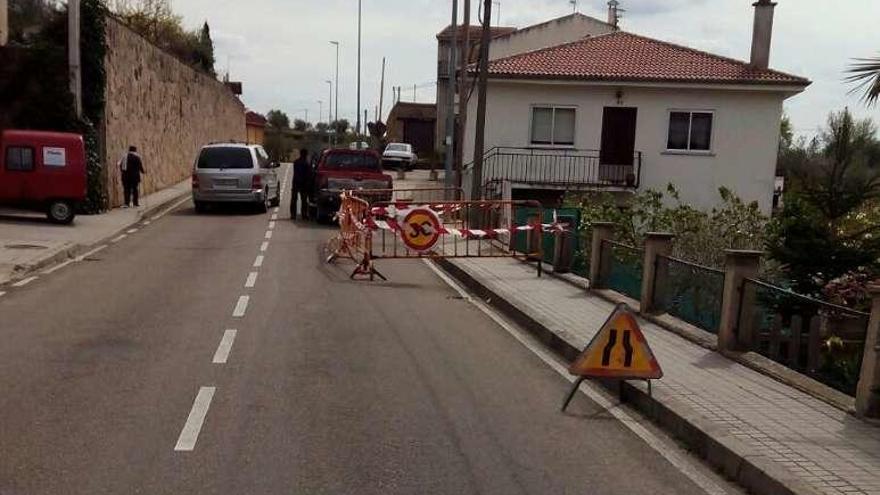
[{"x": 568, "y": 168}]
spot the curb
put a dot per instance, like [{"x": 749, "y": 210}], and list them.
[
  {"x": 78, "y": 249},
  {"x": 756, "y": 473}
]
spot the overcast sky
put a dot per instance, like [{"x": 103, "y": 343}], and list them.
[{"x": 280, "y": 48}]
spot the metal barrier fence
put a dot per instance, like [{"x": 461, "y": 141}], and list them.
[
  {"x": 414, "y": 228},
  {"x": 821, "y": 340},
  {"x": 623, "y": 268},
  {"x": 411, "y": 195},
  {"x": 689, "y": 291}
]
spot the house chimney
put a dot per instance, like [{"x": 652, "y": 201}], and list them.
[
  {"x": 4, "y": 22},
  {"x": 762, "y": 34},
  {"x": 614, "y": 13}
]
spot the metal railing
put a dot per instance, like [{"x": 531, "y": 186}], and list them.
[
  {"x": 819, "y": 339},
  {"x": 689, "y": 291},
  {"x": 622, "y": 268},
  {"x": 561, "y": 167}
]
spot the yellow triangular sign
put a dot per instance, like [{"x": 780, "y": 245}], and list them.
[{"x": 619, "y": 350}]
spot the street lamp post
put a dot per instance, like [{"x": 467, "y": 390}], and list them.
[
  {"x": 358, "y": 128},
  {"x": 320, "y": 110},
  {"x": 330, "y": 110},
  {"x": 336, "y": 103}
]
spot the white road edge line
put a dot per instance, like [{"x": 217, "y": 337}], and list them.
[
  {"x": 91, "y": 253},
  {"x": 2, "y": 293},
  {"x": 22, "y": 283},
  {"x": 170, "y": 208},
  {"x": 132, "y": 231},
  {"x": 241, "y": 306},
  {"x": 684, "y": 465},
  {"x": 186, "y": 442},
  {"x": 57, "y": 267},
  {"x": 118, "y": 238},
  {"x": 259, "y": 261},
  {"x": 265, "y": 246},
  {"x": 225, "y": 347},
  {"x": 251, "y": 280}
]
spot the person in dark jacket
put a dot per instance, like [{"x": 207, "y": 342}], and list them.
[
  {"x": 132, "y": 167},
  {"x": 302, "y": 183}
]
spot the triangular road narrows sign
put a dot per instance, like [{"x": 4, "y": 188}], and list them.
[{"x": 618, "y": 350}]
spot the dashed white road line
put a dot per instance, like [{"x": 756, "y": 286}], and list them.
[
  {"x": 241, "y": 307},
  {"x": 264, "y": 246},
  {"x": 679, "y": 461},
  {"x": 272, "y": 225},
  {"x": 186, "y": 442},
  {"x": 268, "y": 234},
  {"x": 2, "y": 293},
  {"x": 274, "y": 216},
  {"x": 225, "y": 347},
  {"x": 118, "y": 238},
  {"x": 22, "y": 283},
  {"x": 147, "y": 222},
  {"x": 259, "y": 261},
  {"x": 132, "y": 231},
  {"x": 251, "y": 280}
]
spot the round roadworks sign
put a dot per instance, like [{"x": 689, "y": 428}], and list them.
[{"x": 421, "y": 229}]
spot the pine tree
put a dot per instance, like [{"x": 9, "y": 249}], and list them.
[{"x": 206, "y": 49}]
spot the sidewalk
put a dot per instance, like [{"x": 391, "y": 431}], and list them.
[
  {"x": 29, "y": 242},
  {"x": 771, "y": 438}
]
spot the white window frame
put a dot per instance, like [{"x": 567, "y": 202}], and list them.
[
  {"x": 689, "y": 151},
  {"x": 532, "y": 108}
]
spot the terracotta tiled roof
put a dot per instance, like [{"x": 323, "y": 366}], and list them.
[
  {"x": 417, "y": 111},
  {"x": 254, "y": 119},
  {"x": 626, "y": 57},
  {"x": 475, "y": 32}
]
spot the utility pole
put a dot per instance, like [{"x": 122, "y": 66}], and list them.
[
  {"x": 482, "y": 83},
  {"x": 73, "y": 54},
  {"x": 382, "y": 92},
  {"x": 450, "y": 97},
  {"x": 415, "y": 98},
  {"x": 320, "y": 110},
  {"x": 358, "y": 128},
  {"x": 463, "y": 93},
  {"x": 4, "y": 22}
]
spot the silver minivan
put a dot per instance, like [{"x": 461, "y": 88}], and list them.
[{"x": 235, "y": 173}]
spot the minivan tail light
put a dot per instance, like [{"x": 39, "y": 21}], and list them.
[
  {"x": 195, "y": 180},
  {"x": 257, "y": 183}
]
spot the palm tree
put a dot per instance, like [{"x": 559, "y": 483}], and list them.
[{"x": 866, "y": 73}]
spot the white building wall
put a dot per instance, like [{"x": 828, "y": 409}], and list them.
[
  {"x": 556, "y": 32},
  {"x": 745, "y": 133}
]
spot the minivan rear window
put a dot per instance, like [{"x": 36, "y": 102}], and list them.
[
  {"x": 351, "y": 160},
  {"x": 226, "y": 158}
]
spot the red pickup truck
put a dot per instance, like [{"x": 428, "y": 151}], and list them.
[
  {"x": 339, "y": 170},
  {"x": 43, "y": 171}
]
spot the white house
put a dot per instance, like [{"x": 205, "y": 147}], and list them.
[
  {"x": 623, "y": 112},
  {"x": 506, "y": 41}
]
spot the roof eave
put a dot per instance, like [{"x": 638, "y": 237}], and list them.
[{"x": 796, "y": 85}]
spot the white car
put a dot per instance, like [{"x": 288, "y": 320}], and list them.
[{"x": 400, "y": 155}]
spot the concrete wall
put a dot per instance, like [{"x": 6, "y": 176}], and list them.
[
  {"x": 745, "y": 133},
  {"x": 556, "y": 32},
  {"x": 163, "y": 107}
]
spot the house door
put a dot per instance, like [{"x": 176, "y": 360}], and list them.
[{"x": 618, "y": 144}]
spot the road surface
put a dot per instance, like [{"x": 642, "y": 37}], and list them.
[{"x": 218, "y": 354}]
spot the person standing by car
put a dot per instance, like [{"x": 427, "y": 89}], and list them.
[
  {"x": 132, "y": 167},
  {"x": 302, "y": 182}
]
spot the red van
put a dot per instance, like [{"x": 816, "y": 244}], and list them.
[{"x": 43, "y": 171}]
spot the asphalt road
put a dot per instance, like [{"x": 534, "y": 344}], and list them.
[{"x": 329, "y": 386}]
